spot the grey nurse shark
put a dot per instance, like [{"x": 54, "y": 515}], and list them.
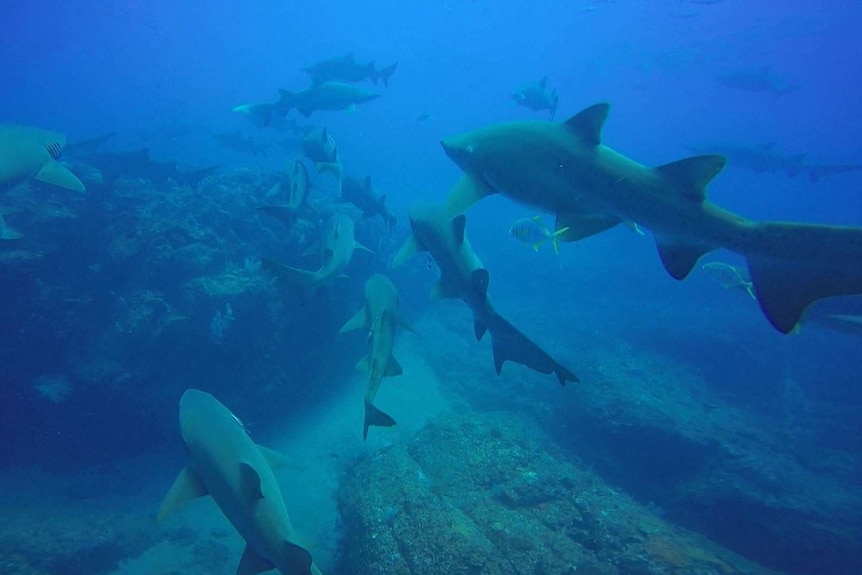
[
  {"x": 565, "y": 169},
  {"x": 225, "y": 463},
  {"x": 380, "y": 316},
  {"x": 336, "y": 246},
  {"x": 27, "y": 153},
  {"x": 462, "y": 276},
  {"x": 295, "y": 185},
  {"x": 31, "y": 153},
  {"x": 325, "y": 96}
]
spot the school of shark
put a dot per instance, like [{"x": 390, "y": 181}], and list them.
[{"x": 561, "y": 168}]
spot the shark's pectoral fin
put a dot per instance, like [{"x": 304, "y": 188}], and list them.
[
  {"x": 582, "y": 225},
  {"x": 410, "y": 248},
  {"x": 356, "y": 322},
  {"x": 359, "y": 246},
  {"x": 57, "y": 174},
  {"x": 393, "y": 368},
  {"x": 273, "y": 191},
  {"x": 364, "y": 366},
  {"x": 467, "y": 191},
  {"x": 251, "y": 563},
  {"x": 678, "y": 256},
  {"x": 692, "y": 175},
  {"x": 374, "y": 416},
  {"x": 249, "y": 482},
  {"x": 186, "y": 487}
]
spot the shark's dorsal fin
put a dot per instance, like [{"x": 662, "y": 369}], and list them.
[
  {"x": 692, "y": 175},
  {"x": 459, "y": 224},
  {"x": 587, "y": 124},
  {"x": 393, "y": 368},
  {"x": 358, "y": 321},
  {"x": 251, "y": 563},
  {"x": 249, "y": 481},
  {"x": 186, "y": 487}
]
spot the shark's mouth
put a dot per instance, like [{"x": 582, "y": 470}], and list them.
[{"x": 54, "y": 149}]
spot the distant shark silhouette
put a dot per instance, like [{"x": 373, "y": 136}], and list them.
[
  {"x": 329, "y": 96},
  {"x": 765, "y": 159},
  {"x": 380, "y": 317},
  {"x": 346, "y": 69},
  {"x": 361, "y": 194},
  {"x": 462, "y": 276},
  {"x": 563, "y": 168},
  {"x": 225, "y": 463}
]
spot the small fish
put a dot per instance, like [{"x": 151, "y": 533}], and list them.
[
  {"x": 532, "y": 232},
  {"x": 730, "y": 277}
]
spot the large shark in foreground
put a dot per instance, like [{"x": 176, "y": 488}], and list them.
[
  {"x": 27, "y": 152},
  {"x": 380, "y": 317},
  {"x": 462, "y": 276},
  {"x": 563, "y": 168},
  {"x": 336, "y": 246},
  {"x": 225, "y": 463}
]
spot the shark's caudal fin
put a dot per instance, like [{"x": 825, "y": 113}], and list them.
[
  {"x": 374, "y": 416},
  {"x": 509, "y": 344},
  {"x": 800, "y": 263},
  {"x": 385, "y": 74}
]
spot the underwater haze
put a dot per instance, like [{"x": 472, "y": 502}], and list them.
[{"x": 571, "y": 286}]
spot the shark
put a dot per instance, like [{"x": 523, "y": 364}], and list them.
[
  {"x": 336, "y": 247},
  {"x": 764, "y": 158},
  {"x": 537, "y": 97},
  {"x": 347, "y": 69},
  {"x": 462, "y": 276},
  {"x": 225, "y": 463},
  {"x": 360, "y": 193},
  {"x": 380, "y": 317},
  {"x": 139, "y": 164},
  {"x": 295, "y": 184},
  {"x": 330, "y": 96},
  {"x": 757, "y": 80},
  {"x": 32, "y": 153},
  {"x": 319, "y": 147},
  {"x": 564, "y": 168}
]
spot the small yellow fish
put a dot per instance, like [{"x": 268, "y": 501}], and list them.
[{"x": 532, "y": 232}]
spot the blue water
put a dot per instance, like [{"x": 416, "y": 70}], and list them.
[{"x": 101, "y": 330}]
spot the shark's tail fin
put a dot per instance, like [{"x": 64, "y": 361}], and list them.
[
  {"x": 385, "y": 74},
  {"x": 374, "y": 416},
  {"x": 509, "y": 344},
  {"x": 797, "y": 264}
]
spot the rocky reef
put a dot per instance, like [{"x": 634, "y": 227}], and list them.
[{"x": 492, "y": 494}]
